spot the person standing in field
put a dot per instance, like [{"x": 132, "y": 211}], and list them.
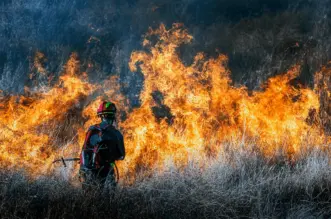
[{"x": 103, "y": 145}]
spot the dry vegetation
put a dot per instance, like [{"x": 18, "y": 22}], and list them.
[
  {"x": 238, "y": 184},
  {"x": 247, "y": 187}
]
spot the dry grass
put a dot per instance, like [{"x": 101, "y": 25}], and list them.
[
  {"x": 247, "y": 187},
  {"x": 236, "y": 185}
]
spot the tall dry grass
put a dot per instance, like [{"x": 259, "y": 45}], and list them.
[{"x": 235, "y": 185}]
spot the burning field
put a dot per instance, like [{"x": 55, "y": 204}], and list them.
[
  {"x": 198, "y": 143},
  {"x": 187, "y": 112}
]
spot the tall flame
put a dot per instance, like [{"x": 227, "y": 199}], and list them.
[
  {"x": 30, "y": 123},
  {"x": 187, "y": 112}
]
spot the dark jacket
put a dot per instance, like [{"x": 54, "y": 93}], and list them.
[{"x": 103, "y": 145}]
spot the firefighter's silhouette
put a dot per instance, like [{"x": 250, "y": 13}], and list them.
[{"x": 103, "y": 145}]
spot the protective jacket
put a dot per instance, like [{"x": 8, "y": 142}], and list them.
[{"x": 102, "y": 146}]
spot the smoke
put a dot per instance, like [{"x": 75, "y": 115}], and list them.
[{"x": 261, "y": 37}]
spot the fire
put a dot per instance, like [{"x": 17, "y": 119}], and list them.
[
  {"x": 187, "y": 112},
  {"x": 30, "y": 124}
]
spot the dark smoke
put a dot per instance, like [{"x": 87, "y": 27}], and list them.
[{"x": 261, "y": 37}]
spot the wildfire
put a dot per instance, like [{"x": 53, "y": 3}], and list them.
[
  {"x": 187, "y": 112},
  {"x": 30, "y": 124}
]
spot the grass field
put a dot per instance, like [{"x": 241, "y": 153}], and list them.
[
  {"x": 261, "y": 39},
  {"x": 248, "y": 186}
]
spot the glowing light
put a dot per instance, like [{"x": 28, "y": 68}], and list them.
[{"x": 187, "y": 112}]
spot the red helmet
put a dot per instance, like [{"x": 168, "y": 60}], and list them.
[{"x": 106, "y": 107}]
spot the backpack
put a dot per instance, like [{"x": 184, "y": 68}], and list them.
[{"x": 107, "y": 145}]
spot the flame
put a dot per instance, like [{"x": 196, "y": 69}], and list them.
[
  {"x": 29, "y": 124},
  {"x": 187, "y": 112},
  {"x": 200, "y": 109}
]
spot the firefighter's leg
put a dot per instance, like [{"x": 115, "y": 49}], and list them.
[
  {"x": 107, "y": 181},
  {"x": 86, "y": 178}
]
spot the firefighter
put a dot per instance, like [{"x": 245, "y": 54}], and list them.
[{"x": 103, "y": 145}]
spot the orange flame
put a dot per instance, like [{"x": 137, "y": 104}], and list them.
[
  {"x": 29, "y": 123},
  {"x": 187, "y": 112},
  {"x": 201, "y": 109}
]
